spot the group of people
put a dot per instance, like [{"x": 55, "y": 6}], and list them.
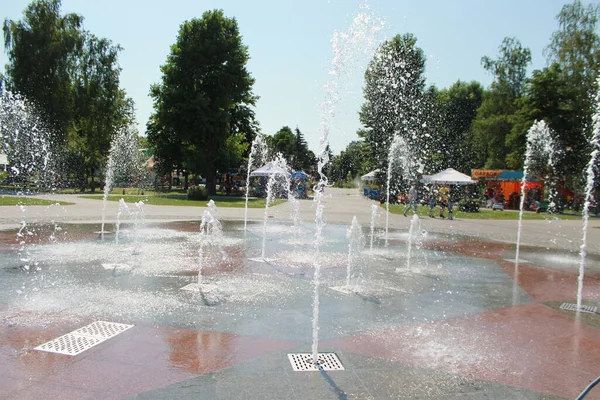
[{"x": 441, "y": 197}]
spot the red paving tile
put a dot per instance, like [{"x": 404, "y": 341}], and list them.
[
  {"x": 479, "y": 248},
  {"x": 546, "y": 284},
  {"x": 140, "y": 359},
  {"x": 54, "y": 392},
  {"x": 529, "y": 346}
]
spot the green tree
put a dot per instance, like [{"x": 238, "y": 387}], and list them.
[
  {"x": 204, "y": 97},
  {"x": 351, "y": 162},
  {"x": 394, "y": 85},
  {"x": 452, "y": 144},
  {"x": 284, "y": 142},
  {"x": 42, "y": 53},
  {"x": 101, "y": 106},
  {"x": 494, "y": 120},
  {"x": 575, "y": 48},
  {"x": 305, "y": 158}
]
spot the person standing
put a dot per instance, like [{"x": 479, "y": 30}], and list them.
[
  {"x": 451, "y": 200},
  {"x": 412, "y": 199},
  {"x": 443, "y": 199},
  {"x": 432, "y": 200}
]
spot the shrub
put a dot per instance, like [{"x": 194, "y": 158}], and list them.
[
  {"x": 197, "y": 192},
  {"x": 469, "y": 205}
]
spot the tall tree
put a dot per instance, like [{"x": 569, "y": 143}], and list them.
[
  {"x": 72, "y": 78},
  {"x": 205, "y": 94},
  {"x": 101, "y": 106},
  {"x": 452, "y": 137},
  {"x": 494, "y": 118},
  {"x": 394, "y": 84},
  {"x": 284, "y": 142},
  {"x": 575, "y": 49},
  {"x": 42, "y": 52}
]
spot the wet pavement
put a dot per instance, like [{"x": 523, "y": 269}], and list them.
[{"x": 459, "y": 320}]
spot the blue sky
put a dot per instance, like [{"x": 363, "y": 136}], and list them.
[{"x": 290, "y": 46}]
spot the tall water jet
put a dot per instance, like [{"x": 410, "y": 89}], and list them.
[
  {"x": 413, "y": 231},
  {"x": 356, "y": 242},
  {"x": 211, "y": 232},
  {"x": 401, "y": 163},
  {"x": 357, "y": 42},
  {"x": 122, "y": 207},
  {"x": 591, "y": 173},
  {"x": 256, "y": 157},
  {"x": 138, "y": 219},
  {"x": 538, "y": 154},
  {"x": 277, "y": 175},
  {"x": 374, "y": 212},
  {"x": 123, "y": 157}
]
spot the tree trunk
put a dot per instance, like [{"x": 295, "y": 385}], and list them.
[
  {"x": 92, "y": 183},
  {"x": 211, "y": 182},
  {"x": 187, "y": 180}
]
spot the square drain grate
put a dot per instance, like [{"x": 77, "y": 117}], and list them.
[
  {"x": 327, "y": 362},
  {"x": 573, "y": 307},
  {"x": 83, "y": 338}
]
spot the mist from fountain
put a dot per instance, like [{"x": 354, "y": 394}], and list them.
[
  {"x": 591, "y": 175},
  {"x": 26, "y": 141},
  {"x": 278, "y": 179},
  {"x": 538, "y": 154},
  {"x": 211, "y": 233},
  {"x": 355, "y": 45},
  {"x": 124, "y": 160},
  {"x": 413, "y": 231},
  {"x": 374, "y": 212},
  {"x": 356, "y": 242},
  {"x": 257, "y": 157},
  {"x": 401, "y": 163},
  {"x": 122, "y": 207}
]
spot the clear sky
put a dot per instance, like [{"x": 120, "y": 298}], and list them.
[{"x": 290, "y": 46}]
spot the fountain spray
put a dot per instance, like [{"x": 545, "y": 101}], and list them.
[
  {"x": 254, "y": 158},
  {"x": 589, "y": 188}
]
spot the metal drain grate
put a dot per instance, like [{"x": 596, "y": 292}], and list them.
[
  {"x": 83, "y": 338},
  {"x": 573, "y": 307},
  {"x": 70, "y": 344},
  {"x": 102, "y": 329},
  {"x": 327, "y": 362}
]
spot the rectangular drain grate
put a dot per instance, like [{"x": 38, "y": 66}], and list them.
[
  {"x": 573, "y": 307},
  {"x": 327, "y": 362},
  {"x": 102, "y": 329},
  {"x": 83, "y": 338}
]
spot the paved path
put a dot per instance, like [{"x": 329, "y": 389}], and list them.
[{"x": 340, "y": 207}]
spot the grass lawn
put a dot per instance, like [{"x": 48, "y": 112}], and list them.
[
  {"x": 483, "y": 213},
  {"x": 29, "y": 201},
  {"x": 180, "y": 199}
]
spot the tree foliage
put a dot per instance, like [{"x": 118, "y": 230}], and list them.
[
  {"x": 72, "y": 78},
  {"x": 42, "y": 52},
  {"x": 451, "y": 139},
  {"x": 204, "y": 98},
  {"x": 394, "y": 85},
  {"x": 494, "y": 120}
]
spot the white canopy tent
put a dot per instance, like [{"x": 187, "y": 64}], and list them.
[
  {"x": 370, "y": 176},
  {"x": 269, "y": 169},
  {"x": 449, "y": 176}
]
